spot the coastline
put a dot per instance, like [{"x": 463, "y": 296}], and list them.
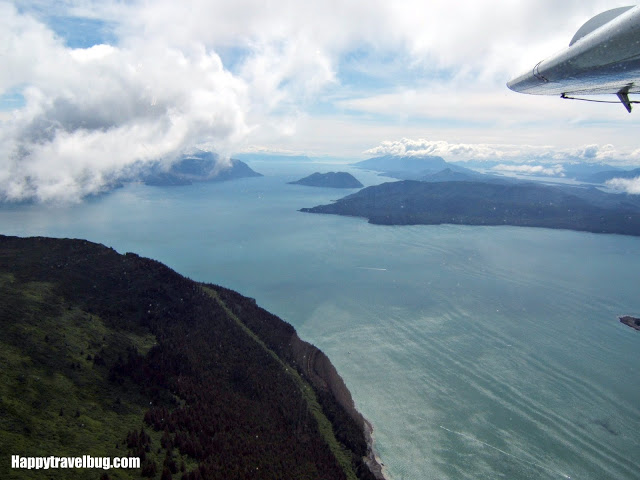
[
  {"x": 102, "y": 286},
  {"x": 314, "y": 366},
  {"x": 374, "y": 462},
  {"x": 335, "y": 383}
]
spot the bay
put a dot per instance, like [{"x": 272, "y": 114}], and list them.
[{"x": 476, "y": 352}]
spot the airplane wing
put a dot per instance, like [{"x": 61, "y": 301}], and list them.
[{"x": 602, "y": 58}]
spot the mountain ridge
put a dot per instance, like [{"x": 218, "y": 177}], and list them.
[{"x": 489, "y": 203}]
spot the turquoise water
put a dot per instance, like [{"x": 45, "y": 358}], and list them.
[{"x": 476, "y": 352}]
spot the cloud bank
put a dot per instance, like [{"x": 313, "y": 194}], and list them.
[
  {"x": 514, "y": 153},
  {"x": 234, "y": 76}
]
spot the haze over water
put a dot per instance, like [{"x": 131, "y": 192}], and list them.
[{"x": 476, "y": 352}]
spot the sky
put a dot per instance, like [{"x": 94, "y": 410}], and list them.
[{"x": 92, "y": 89}]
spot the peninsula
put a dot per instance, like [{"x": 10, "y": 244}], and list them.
[
  {"x": 118, "y": 355},
  {"x": 524, "y": 204},
  {"x": 330, "y": 179}
]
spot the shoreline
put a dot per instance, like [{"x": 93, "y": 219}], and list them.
[
  {"x": 373, "y": 461},
  {"x": 317, "y": 366}
]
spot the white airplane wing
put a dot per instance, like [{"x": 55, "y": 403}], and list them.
[{"x": 602, "y": 58}]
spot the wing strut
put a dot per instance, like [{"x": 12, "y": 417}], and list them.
[{"x": 623, "y": 95}]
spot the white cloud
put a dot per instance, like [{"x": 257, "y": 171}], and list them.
[
  {"x": 91, "y": 113},
  {"x": 510, "y": 152},
  {"x": 628, "y": 185},
  {"x": 421, "y": 147},
  {"x": 162, "y": 87},
  {"x": 550, "y": 171}
]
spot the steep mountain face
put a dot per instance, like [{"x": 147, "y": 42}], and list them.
[
  {"x": 330, "y": 179},
  {"x": 114, "y": 355},
  {"x": 482, "y": 203}
]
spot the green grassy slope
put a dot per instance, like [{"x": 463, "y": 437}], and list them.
[{"x": 55, "y": 397}]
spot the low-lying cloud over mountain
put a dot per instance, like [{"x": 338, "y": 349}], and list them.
[
  {"x": 515, "y": 153},
  {"x": 550, "y": 171},
  {"x": 91, "y": 113},
  {"x": 628, "y": 185}
]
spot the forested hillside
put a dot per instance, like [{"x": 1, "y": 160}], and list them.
[{"x": 109, "y": 354}]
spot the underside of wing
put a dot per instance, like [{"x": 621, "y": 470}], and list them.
[{"x": 608, "y": 80}]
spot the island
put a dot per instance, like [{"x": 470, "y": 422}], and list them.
[
  {"x": 110, "y": 354},
  {"x": 330, "y": 179},
  {"x": 199, "y": 167},
  {"x": 632, "y": 322},
  {"x": 526, "y": 204}
]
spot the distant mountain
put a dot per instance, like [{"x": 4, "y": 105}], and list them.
[
  {"x": 482, "y": 203},
  {"x": 118, "y": 355},
  {"x": 410, "y": 167},
  {"x": 248, "y": 157},
  {"x": 582, "y": 171},
  {"x": 330, "y": 179},
  {"x": 578, "y": 170},
  {"x": 392, "y": 163},
  {"x": 200, "y": 167},
  {"x": 603, "y": 177}
]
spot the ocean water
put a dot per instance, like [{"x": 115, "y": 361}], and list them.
[{"x": 476, "y": 352}]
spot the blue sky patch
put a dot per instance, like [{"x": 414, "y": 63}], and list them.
[
  {"x": 375, "y": 71},
  {"x": 233, "y": 57},
  {"x": 79, "y": 32},
  {"x": 12, "y": 99}
]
